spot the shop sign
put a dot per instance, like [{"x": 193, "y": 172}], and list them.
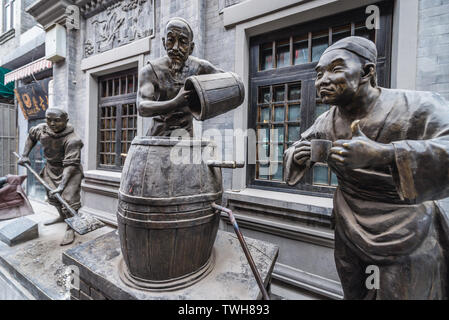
[{"x": 33, "y": 99}]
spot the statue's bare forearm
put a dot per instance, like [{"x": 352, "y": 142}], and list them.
[{"x": 150, "y": 108}]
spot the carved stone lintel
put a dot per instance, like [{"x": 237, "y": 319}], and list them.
[{"x": 118, "y": 24}]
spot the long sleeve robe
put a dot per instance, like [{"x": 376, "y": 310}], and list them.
[{"x": 61, "y": 150}]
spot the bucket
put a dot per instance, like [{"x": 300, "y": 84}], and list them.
[{"x": 214, "y": 94}]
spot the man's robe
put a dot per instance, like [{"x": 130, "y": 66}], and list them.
[
  {"x": 385, "y": 216},
  {"x": 61, "y": 150}
]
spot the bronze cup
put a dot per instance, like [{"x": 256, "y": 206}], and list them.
[{"x": 320, "y": 150}]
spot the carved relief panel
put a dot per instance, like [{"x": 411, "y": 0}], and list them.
[{"x": 119, "y": 24}]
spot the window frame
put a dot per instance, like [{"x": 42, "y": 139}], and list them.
[
  {"x": 8, "y": 9},
  {"x": 305, "y": 73},
  {"x": 118, "y": 101}
]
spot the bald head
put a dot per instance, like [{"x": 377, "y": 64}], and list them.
[{"x": 56, "y": 119}]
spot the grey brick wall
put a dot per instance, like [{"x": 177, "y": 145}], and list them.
[
  {"x": 26, "y": 20},
  {"x": 220, "y": 50},
  {"x": 433, "y": 47}
]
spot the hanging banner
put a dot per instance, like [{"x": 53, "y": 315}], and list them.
[{"x": 33, "y": 99}]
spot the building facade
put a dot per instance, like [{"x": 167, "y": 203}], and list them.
[{"x": 99, "y": 46}]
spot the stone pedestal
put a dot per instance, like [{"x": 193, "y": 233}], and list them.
[
  {"x": 33, "y": 269},
  {"x": 98, "y": 262}
]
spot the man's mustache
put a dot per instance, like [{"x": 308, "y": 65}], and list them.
[{"x": 174, "y": 53}]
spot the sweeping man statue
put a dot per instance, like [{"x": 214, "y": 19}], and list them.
[
  {"x": 390, "y": 153},
  {"x": 63, "y": 171}
]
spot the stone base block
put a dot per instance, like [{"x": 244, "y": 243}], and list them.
[
  {"x": 19, "y": 230},
  {"x": 231, "y": 278}
]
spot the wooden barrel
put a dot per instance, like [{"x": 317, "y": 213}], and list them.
[
  {"x": 166, "y": 224},
  {"x": 214, "y": 94}
]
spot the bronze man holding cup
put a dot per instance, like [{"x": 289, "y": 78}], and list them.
[{"x": 390, "y": 151}]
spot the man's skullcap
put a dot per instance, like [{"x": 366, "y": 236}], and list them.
[
  {"x": 360, "y": 46},
  {"x": 184, "y": 21}
]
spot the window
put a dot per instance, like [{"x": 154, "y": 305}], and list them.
[
  {"x": 8, "y": 15},
  {"x": 117, "y": 116},
  {"x": 283, "y": 99}
]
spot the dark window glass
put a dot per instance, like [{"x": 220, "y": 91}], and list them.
[
  {"x": 266, "y": 56},
  {"x": 341, "y": 32},
  {"x": 320, "y": 42},
  {"x": 283, "y": 53},
  {"x": 362, "y": 31},
  {"x": 301, "y": 49}
]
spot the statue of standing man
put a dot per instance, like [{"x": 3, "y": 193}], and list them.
[
  {"x": 390, "y": 153},
  {"x": 161, "y": 92},
  {"x": 63, "y": 171}
]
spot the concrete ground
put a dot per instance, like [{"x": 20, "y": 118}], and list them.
[{"x": 34, "y": 269}]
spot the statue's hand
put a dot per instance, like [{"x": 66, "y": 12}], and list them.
[
  {"x": 302, "y": 152},
  {"x": 24, "y": 160},
  {"x": 57, "y": 190},
  {"x": 360, "y": 152},
  {"x": 183, "y": 97}
]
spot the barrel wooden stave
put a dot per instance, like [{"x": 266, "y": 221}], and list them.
[{"x": 166, "y": 224}]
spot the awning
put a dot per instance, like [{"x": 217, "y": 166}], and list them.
[
  {"x": 5, "y": 91},
  {"x": 27, "y": 70}
]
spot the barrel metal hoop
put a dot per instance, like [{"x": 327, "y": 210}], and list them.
[
  {"x": 170, "y": 201},
  {"x": 169, "y": 214},
  {"x": 170, "y": 142}
]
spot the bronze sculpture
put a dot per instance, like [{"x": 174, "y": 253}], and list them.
[
  {"x": 390, "y": 153},
  {"x": 161, "y": 92},
  {"x": 63, "y": 171},
  {"x": 166, "y": 221},
  {"x": 13, "y": 200}
]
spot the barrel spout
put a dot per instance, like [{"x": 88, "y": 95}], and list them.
[{"x": 225, "y": 164}]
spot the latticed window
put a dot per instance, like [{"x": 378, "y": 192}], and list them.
[
  {"x": 278, "y": 126},
  {"x": 283, "y": 98},
  {"x": 117, "y": 118}
]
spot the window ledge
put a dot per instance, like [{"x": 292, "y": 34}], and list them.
[
  {"x": 5, "y": 36},
  {"x": 102, "y": 175},
  {"x": 283, "y": 200}
]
